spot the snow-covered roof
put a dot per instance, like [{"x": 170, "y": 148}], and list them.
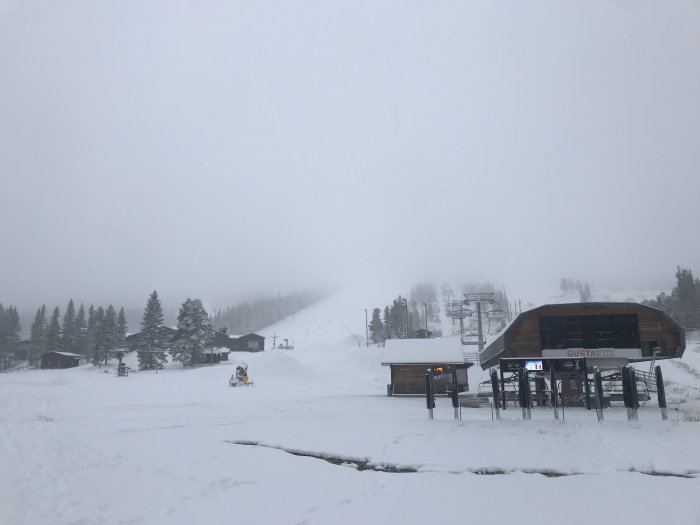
[
  {"x": 216, "y": 350},
  {"x": 66, "y": 354},
  {"x": 443, "y": 350}
]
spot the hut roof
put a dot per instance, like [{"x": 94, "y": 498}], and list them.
[
  {"x": 439, "y": 350},
  {"x": 68, "y": 354}
]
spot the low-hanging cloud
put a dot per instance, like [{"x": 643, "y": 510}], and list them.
[{"x": 218, "y": 149}]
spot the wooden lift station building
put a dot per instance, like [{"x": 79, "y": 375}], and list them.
[
  {"x": 607, "y": 335},
  {"x": 408, "y": 360}
]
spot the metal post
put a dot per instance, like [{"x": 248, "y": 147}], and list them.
[
  {"x": 586, "y": 387},
  {"x": 629, "y": 392},
  {"x": 598, "y": 393},
  {"x": 429, "y": 395},
  {"x": 661, "y": 392},
  {"x": 528, "y": 394},
  {"x": 523, "y": 392},
  {"x": 481, "y": 333},
  {"x": 635, "y": 394},
  {"x": 496, "y": 393},
  {"x": 455, "y": 394},
  {"x": 626, "y": 392},
  {"x": 554, "y": 392},
  {"x": 503, "y": 389}
]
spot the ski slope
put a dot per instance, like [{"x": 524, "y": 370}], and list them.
[{"x": 81, "y": 446}]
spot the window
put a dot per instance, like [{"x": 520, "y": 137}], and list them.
[{"x": 590, "y": 331}]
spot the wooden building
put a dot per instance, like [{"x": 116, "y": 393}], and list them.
[
  {"x": 608, "y": 335},
  {"x": 60, "y": 360},
  {"x": 248, "y": 343},
  {"x": 408, "y": 359},
  {"x": 237, "y": 343},
  {"x": 219, "y": 348}
]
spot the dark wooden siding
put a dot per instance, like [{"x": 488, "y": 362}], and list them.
[
  {"x": 410, "y": 379},
  {"x": 55, "y": 360},
  {"x": 522, "y": 338},
  {"x": 249, "y": 343}
]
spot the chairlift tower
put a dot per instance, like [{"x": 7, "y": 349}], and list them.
[
  {"x": 457, "y": 309},
  {"x": 460, "y": 310}
]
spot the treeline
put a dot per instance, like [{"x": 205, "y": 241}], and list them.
[
  {"x": 10, "y": 328},
  {"x": 407, "y": 317},
  {"x": 570, "y": 286},
  {"x": 92, "y": 333},
  {"x": 250, "y": 316},
  {"x": 683, "y": 303}
]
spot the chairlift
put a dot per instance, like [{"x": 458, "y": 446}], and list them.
[
  {"x": 498, "y": 316},
  {"x": 473, "y": 327},
  {"x": 457, "y": 310},
  {"x": 495, "y": 313}
]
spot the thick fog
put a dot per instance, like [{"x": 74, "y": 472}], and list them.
[{"x": 222, "y": 149}]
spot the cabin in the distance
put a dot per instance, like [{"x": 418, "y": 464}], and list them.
[{"x": 609, "y": 335}]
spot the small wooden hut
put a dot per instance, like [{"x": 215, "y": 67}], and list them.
[
  {"x": 408, "y": 360},
  {"x": 248, "y": 343},
  {"x": 60, "y": 360}
]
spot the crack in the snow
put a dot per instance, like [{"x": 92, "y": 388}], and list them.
[
  {"x": 356, "y": 463},
  {"x": 363, "y": 464}
]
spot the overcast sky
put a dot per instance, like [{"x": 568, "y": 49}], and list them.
[{"x": 219, "y": 149}]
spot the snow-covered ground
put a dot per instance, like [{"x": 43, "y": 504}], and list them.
[{"x": 81, "y": 446}]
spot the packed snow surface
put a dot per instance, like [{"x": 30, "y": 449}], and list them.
[{"x": 81, "y": 446}]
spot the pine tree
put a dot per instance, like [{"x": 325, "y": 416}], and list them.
[
  {"x": 194, "y": 333},
  {"x": 376, "y": 327},
  {"x": 121, "y": 327},
  {"x": 91, "y": 334},
  {"x": 37, "y": 335},
  {"x": 9, "y": 334},
  {"x": 683, "y": 303},
  {"x": 53, "y": 332},
  {"x": 388, "y": 332},
  {"x": 684, "y": 298},
  {"x": 98, "y": 337},
  {"x": 107, "y": 330},
  {"x": 14, "y": 327},
  {"x": 150, "y": 345},
  {"x": 81, "y": 331},
  {"x": 399, "y": 320},
  {"x": 69, "y": 337},
  {"x": 4, "y": 353}
]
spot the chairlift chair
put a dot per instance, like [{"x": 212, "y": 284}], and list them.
[{"x": 494, "y": 314}]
